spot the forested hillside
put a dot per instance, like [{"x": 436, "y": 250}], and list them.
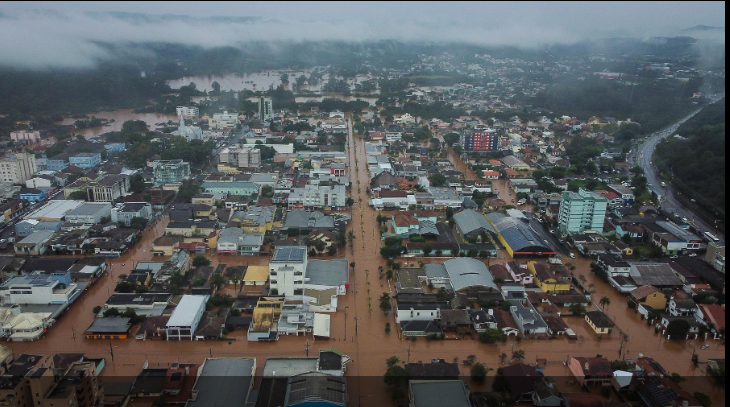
[{"x": 697, "y": 158}]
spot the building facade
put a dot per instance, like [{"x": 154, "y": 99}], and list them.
[
  {"x": 169, "y": 171},
  {"x": 18, "y": 168},
  {"x": 480, "y": 140},
  {"x": 266, "y": 108},
  {"x": 581, "y": 211}
]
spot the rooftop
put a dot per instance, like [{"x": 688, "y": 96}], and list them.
[{"x": 186, "y": 310}]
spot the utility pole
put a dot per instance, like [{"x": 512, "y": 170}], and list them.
[
  {"x": 111, "y": 351},
  {"x": 306, "y": 347},
  {"x": 409, "y": 351}
]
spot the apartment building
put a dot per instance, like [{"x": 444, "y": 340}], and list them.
[
  {"x": 18, "y": 168},
  {"x": 170, "y": 171},
  {"x": 581, "y": 211}
]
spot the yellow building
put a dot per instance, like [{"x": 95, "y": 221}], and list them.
[
  {"x": 258, "y": 219},
  {"x": 599, "y": 322},
  {"x": 546, "y": 279},
  {"x": 256, "y": 276},
  {"x": 649, "y": 295}
]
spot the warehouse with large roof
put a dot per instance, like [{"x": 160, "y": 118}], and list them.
[{"x": 518, "y": 237}]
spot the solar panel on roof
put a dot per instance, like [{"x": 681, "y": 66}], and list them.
[{"x": 290, "y": 254}]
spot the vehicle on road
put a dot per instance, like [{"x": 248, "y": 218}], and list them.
[
  {"x": 572, "y": 255},
  {"x": 674, "y": 257},
  {"x": 692, "y": 255},
  {"x": 705, "y": 347},
  {"x": 710, "y": 237},
  {"x": 664, "y": 184}
]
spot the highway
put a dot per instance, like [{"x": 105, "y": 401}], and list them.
[{"x": 643, "y": 157}]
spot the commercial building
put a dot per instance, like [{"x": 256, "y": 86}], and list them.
[
  {"x": 230, "y": 187},
  {"x": 480, "y": 140},
  {"x": 224, "y": 382},
  {"x": 223, "y": 120},
  {"x": 90, "y": 213},
  {"x": 438, "y": 393},
  {"x": 40, "y": 289},
  {"x": 266, "y": 108},
  {"x": 581, "y": 211},
  {"x": 18, "y": 168},
  {"x": 187, "y": 111},
  {"x": 185, "y": 318},
  {"x": 34, "y": 244},
  {"x": 109, "y": 188},
  {"x": 518, "y": 237},
  {"x": 30, "y": 136},
  {"x": 169, "y": 171},
  {"x": 241, "y": 157},
  {"x": 124, "y": 213},
  {"x": 315, "y": 196},
  {"x": 85, "y": 161}
]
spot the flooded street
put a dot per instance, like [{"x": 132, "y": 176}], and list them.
[{"x": 358, "y": 328}]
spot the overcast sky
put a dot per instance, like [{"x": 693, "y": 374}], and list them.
[{"x": 43, "y": 33}]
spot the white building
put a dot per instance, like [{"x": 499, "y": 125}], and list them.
[
  {"x": 187, "y": 111},
  {"x": 18, "y": 168},
  {"x": 223, "y": 120},
  {"x": 266, "y": 108},
  {"x": 40, "y": 289},
  {"x": 241, "y": 157},
  {"x": 286, "y": 270},
  {"x": 318, "y": 196},
  {"x": 90, "y": 213},
  {"x": 124, "y": 213},
  {"x": 185, "y": 318}
]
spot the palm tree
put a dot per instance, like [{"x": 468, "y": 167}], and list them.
[
  {"x": 605, "y": 302},
  {"x": 218, "y": 281},
  {"x": 518, "y": 355}
]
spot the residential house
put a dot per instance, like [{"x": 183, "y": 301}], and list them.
[
  {"x": 591, "y": 370},
  {"x": 599, "y": 322}
]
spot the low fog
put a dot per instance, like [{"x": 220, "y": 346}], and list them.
[{"x": 46, "y": 34}]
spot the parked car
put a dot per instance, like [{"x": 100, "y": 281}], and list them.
[
  {"x": 693, "y": 255},
  {"x": 572, "y": 255}
]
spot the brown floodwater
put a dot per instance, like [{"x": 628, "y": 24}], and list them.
[
  {"x": 358, "y": 326},
  {"x": 119, "y": 117}
]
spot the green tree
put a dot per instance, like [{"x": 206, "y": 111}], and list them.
[
  {"x": 518, "y": 355},
  {"x": 385, "y": 304},
  {"x": 138, "y": 223},
  {"x": 218, "y": 281},
  {"x": 479, "y": 372},
  {"x": 451, "y": 139},
  {"x": 490, "y": 335},
  {"x": 201, "y": 260},
  {"x": 437, "y": 180},
  {"x": 97, "y": 309},
  {"x": 136, "y": 183},
  {"x": 77, "y": 195},
  {"x": 703, "y": 398},
  {"x": 605, "y": 302}
]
